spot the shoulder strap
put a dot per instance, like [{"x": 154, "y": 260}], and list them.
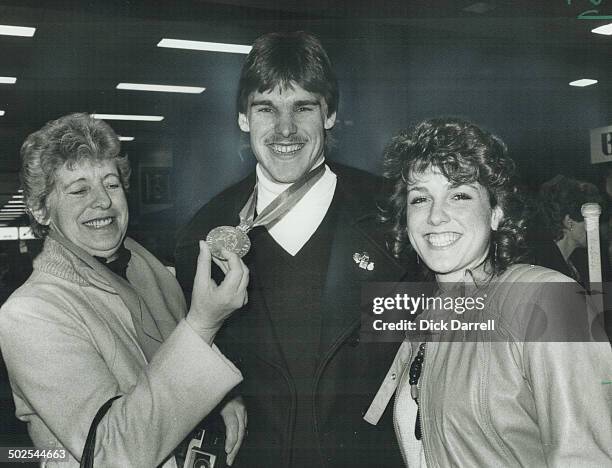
[{"x": 90, "y": 444}]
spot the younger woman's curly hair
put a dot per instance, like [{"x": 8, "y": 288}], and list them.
[{"x": 463, "y": 153}]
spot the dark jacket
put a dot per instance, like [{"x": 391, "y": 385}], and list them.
[{"x": 348, "y": 372}]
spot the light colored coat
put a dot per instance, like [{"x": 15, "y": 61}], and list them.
[
  {"x": 510, "y": 402},
  {"x": 75, "y": 335}
]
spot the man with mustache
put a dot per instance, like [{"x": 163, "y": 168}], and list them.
[{"x": 308, "y": 379}]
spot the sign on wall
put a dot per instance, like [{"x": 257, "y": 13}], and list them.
[
  {"x": 25, "y": 232},
  {"x": 9, "y": 233},
  {"x": 601, "y": 145}
]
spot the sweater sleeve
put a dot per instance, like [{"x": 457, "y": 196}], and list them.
[{"x": 56, "y": 368}]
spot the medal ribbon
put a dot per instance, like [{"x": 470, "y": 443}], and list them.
[{"x": 275, "y": 211}]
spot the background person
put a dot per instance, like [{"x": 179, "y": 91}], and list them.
[
  {"x": 101, "y": 317},
  {"x": 507, "y": 402},
  {"x": 559, "y": 226},
  {"x": 308, "y": 379}
]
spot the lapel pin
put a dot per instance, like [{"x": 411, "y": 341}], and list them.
[{"x": 363, "y": 260}]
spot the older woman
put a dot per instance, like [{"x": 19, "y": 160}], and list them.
[
  {"x": 514, "y": 397},
  {"x": 100, "y": 317},
  {"x": 559, "y": 227}
]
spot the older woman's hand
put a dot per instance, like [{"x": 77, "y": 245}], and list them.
[{"x": 211, "y": 304}]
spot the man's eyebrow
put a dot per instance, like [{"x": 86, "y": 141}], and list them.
[
  {"x": 307, "y": 102},
  {"x": 417, "y": 188},
  {"x": 261, "y": 102}
]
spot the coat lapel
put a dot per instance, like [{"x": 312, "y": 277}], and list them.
[
  {"x": 340, "y": 305},
  {"x": 148, "y": 334}
]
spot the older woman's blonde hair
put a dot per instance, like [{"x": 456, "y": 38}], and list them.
[{"x": 67, "y": 141}]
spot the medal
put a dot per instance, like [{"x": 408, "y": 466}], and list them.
[
  {"x": 230, "y": 238},
  {"x": 235, "y": 239}
]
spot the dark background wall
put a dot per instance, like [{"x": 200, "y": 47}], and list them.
[{"x": 391, "y": 77}]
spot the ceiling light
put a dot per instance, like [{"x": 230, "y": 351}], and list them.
[
  {"x": 161, "y": 88},
  {"x": 583, "y": 82},
  {"x": 210, "y": 46},
  {"x": 479, "y": 8},
  {"x": 21, "y": 31},
  {"x": 125, "y": 138},
  {"x": 145, "y": 118},
  {"x": 1, "y": 113},
  {"x": 8, "y": 80},
  {"x": 16, "y": 202},
  {"x": 606, "y": 30},
  {"x": 17, "y": 196}
]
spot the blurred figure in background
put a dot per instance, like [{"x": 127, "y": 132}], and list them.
[{"x": 558, "y": 229}]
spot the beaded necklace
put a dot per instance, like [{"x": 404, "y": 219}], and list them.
[{"x": 415, "y": 374}]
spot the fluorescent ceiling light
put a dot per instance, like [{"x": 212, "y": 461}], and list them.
[
  {"x": 583, "y": 82},
  {"x": 125, "y": 138},
  {"x": 210, "y": 46},
  {"x": 161, "y": 88},
  {"x": 606, "y": 30},
  {"x": 12, "y": 210},
  {"x": 1, "y": 113},
  {"x": 16, "y": 202},
  {"x": 21, "y": 31},
  {"x": 480, "y": 8},
  {"x": 17, "y": 196},
  {"x": 8, "y": 79},
  {"x": 145, "y": 118}
]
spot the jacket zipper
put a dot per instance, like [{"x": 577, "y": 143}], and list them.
[
  {"x": 318, "y": 374},
  {"x": 291, "y": 423}
]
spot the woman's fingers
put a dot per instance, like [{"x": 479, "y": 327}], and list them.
[
  {"x": 235, "y": 273},
  {"x": 241, "y": 415},
  {"x": 221, "y": 264},
  {"x": 203, "y": 269}
]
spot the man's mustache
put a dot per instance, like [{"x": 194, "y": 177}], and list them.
[{"x": 285, "y": 141}]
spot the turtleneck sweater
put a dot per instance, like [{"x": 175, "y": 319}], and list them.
[{"x": 299, "y": 224}]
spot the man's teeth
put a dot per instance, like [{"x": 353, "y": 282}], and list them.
[
  {"x": 443, "y": 239},
  {"x": 99, "y": 223},
  {"x": 287, "y": 148}
]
